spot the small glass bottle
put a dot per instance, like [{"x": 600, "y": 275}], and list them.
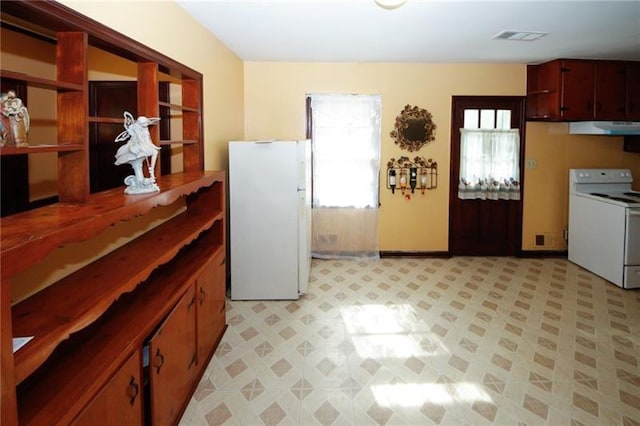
[{"x": 392, "y": 180}]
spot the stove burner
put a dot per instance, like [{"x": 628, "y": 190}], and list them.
[
  {"x": 624, "y": 200},
  {"x": 617, "y": 198}
]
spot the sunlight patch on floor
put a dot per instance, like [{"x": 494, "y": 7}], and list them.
[
  {"x": 380, "y": 331},
  {"x": 417, "y": 394}
]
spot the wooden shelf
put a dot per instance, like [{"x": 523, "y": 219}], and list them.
[
  {"x": 39, "y": 149},
  {"x": 178, "y": 107},
  {"x": 60, "y": 392},
  {"x": 42, "y": 230},
  {"x": 107, "y": 120},
  {"x": 178, "y": 142},
  {"x": 126, "y": 294},
  {"x": 540, "y": 92},
  {"x": 52, "y": 314},
  {"x": 41, "y": 82}
]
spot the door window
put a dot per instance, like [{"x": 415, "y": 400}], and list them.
[{"x": 489, "y": 156}]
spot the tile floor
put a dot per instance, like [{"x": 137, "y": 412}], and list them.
[{"x": 460, "y": 341}]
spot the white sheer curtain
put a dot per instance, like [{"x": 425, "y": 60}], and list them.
[
  {"x": 346, "y": 164},
  {"x": 489, "y": 164}
]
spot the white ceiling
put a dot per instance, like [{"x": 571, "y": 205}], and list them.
[{"x": 421, "y": 30}]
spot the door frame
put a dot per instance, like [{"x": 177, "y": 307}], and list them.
[{"x": 464, "y": 102}]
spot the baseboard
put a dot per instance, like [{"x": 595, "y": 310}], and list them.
[
  {"x": 414, "y": 254},
  {"x": 543, "y": 253},
  {"x": 445, "y": 254}
]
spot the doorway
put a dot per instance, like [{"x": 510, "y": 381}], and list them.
[{"x": 477, "y": 226}]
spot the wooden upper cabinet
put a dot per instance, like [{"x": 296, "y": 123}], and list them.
[
  {"x": 610, "y": 90},
  {"x": 633, "y": 91},
  {"x": 581, "y": 90},
  {"x": 577, "y": 86}
]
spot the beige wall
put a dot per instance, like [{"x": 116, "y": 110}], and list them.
[
  {"x": 266, "y": 100},
  {"x": 546, "y": 186},
  {"x": 275, "y": 108}
]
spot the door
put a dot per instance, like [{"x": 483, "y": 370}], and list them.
[
  {"x": 119, "y": 402},
  {"x": 610, "y": 90},
  {"x": 484, "y": 227},
  {"x": 211, "y": 285},
  {"x": 633, "y": 91},
  {"x": 578, "y": 85},
  {"x": 172, "y": 361},
  {"x": 263, "y": 200}
]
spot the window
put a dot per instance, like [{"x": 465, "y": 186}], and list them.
[
  {"x": 346, "y": 150},
  {"x": 345, "y": 134},
  {"x": 489, "y": 156}
]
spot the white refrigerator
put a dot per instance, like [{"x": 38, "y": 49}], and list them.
[{"x": 269, "y": 219}]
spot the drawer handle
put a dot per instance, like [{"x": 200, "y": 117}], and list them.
[
  {"x": 159, "y": 361},
  {"x": 192, "y": 363},
  {"x": 223, "y": 261},
  {"x": 224, "y": 305},
  {"x": 193, "y": 300},
  {"x": 133, "y": 390},
  {"x": 203, "y": 295}
]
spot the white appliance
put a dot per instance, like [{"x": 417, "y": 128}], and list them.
[
  {"x": 604, "y": 224},
  {"x": 270, "y": 219},
  {"x": 604, "y": 128}
]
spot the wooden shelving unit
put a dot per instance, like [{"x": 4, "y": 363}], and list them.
[{"x": 91, "y": 327}]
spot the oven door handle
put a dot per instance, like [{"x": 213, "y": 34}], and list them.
[{"x": 634, "y": 212}]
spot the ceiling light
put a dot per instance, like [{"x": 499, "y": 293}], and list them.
[
  {"x": 390, "y": 4},
  {"x": 519, "y": 35}
]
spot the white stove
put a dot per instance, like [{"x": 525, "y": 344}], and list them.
[{"x": 604, "y": 224}]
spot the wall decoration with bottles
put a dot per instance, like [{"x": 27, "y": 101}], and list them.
[{"x": 406, "y": 176}]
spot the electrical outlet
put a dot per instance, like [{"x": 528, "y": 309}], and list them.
[{"x": 531, "y": 163}]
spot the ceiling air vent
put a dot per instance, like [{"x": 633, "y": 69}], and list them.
[{"x": 519, "y": 35}]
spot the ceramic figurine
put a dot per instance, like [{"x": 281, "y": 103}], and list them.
[
  {"x": 15, "y": 120},
  {"x": 138, "y": 150}
]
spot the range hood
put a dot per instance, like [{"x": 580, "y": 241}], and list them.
[{"x": 604, "y": 128}]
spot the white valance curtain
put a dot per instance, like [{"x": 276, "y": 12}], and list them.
[
  {"x": 489, "y": 164},
  {"x": 346, "y": 163}
]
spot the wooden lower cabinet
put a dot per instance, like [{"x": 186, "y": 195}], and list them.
[
  {"x": 120, "y": 401},
  {"x": 211, "y": 286},
  {"x": 172, "y": 362}
]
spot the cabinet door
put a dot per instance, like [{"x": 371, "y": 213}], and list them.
[
  {"x": 211, "y": 286},
  {"x": 633, "y": 91},
  {"x": 172, "y": 359},
  {"x": 610, "y": 90},
  {"x": 119, "y": 402},
  {"x": 578, "y": 84}
]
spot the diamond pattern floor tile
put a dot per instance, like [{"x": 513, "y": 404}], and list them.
[{"x": 460, "y": 341}]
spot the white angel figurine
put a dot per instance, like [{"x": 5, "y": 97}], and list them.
[{"x": 137, "y": 150}]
